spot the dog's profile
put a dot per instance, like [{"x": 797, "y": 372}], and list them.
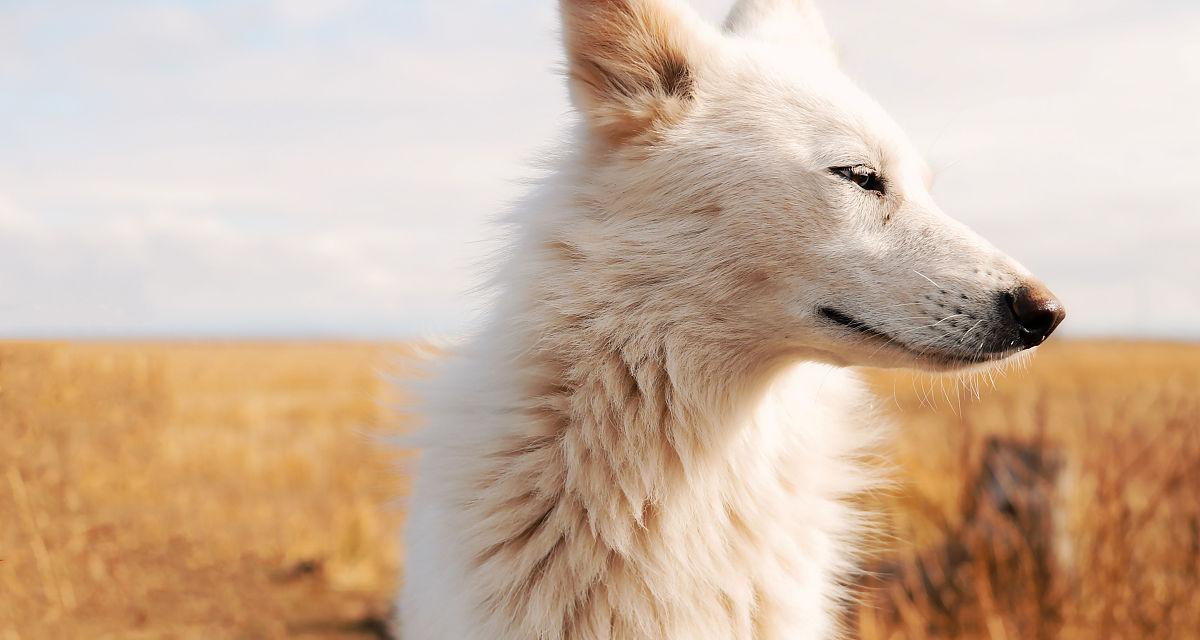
[{"x": 654, "y": 433}]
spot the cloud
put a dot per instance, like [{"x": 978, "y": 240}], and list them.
[
  {"x": 168, "y": 273},
  {"x": 312, "y": 12},
  {"x": 332, "y": 165}
]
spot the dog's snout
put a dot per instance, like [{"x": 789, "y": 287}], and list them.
[{"x": 1036, "y": 312}]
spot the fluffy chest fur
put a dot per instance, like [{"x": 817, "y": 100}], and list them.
[{"x": 545, "y": 529}]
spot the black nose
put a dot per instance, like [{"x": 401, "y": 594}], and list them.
[{"x": 1036, "y": 311}]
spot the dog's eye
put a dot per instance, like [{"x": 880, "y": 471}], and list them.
[{"x": 861, "y": 175}]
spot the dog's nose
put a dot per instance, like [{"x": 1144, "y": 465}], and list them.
[{"x": 1036, "y": 311}]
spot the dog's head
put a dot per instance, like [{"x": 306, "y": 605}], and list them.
[{"x": 740, "y": 179}]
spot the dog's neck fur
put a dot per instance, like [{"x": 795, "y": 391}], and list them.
[{"x": 631, "y": 488}]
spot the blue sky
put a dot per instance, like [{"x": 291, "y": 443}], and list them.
[{"x": 330, "y": 167}]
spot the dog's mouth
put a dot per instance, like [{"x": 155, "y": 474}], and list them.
[{"x": 936, "y": 356}]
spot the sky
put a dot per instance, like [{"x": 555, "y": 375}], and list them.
[{"x": 332, "y": 168}]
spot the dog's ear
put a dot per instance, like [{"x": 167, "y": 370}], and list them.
[
  {"x": 631, "y": 64},
  {"x": 785, "y": 22}
]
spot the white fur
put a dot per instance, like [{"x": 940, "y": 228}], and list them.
[{"x": 651, "y": 436}]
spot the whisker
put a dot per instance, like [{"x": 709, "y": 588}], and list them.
[{"x": 928, "y": 278}]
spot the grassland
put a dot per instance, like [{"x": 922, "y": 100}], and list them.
[
  {"x": 211, "y": 490},
  {"x": 1123, "y": 419},
  {"x": 194, "y": 490}
]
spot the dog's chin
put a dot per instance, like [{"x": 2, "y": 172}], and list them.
[
  {"x": 853, "y": 343},
  {"x": 882, "y": 356},
  {"x": 945, "y": 363}
]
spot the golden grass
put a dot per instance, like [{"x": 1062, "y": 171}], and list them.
[
  {"x": 193, "y": 490},
  {"x": 209, "y": 490},
  {"x": 1125, "y": 420}
]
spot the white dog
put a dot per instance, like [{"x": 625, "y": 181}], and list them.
[{"x": 652, "y": 436}]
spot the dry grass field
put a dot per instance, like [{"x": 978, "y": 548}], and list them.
[
  {"x": 230, "y": 490},
  {"x": 194, "y": 490},
  {"x": 1117, "y": 554}
]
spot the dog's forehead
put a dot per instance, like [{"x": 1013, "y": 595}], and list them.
[
  {"x": 826, "y": 114},
  {"x": 792, "y": 89}
]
